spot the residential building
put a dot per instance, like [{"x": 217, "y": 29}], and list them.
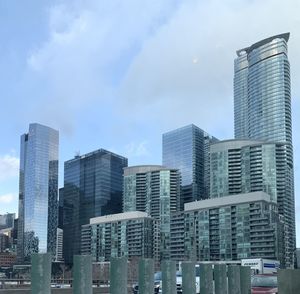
[
  {"x": 243, "y": 166},
  {"x": 177, "y": 237},
  {"x": 92, "y": 187},
  {"x": 187, "y": 149},
  {"x": 262, "y": 111},
  {"x": 38, "y": 192},
  {"x": 233, "y": 228},
  {"x": 155, "y": 190},
  {"x": 59, "y": 245},
  {"x": 127, "y": 234}
]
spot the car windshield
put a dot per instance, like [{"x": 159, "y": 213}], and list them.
[
  {"x": 178, "y": 274},
  {"x": 264, "y": 281}
]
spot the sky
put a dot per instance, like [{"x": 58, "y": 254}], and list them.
[{"x": 118, "y": 74}]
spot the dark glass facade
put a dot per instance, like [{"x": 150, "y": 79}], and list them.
[
  {"x": 262, "y": 99},
  {"x": 187, "y": 149},
  {"x": 92, "y": 187},
  {"x": 38, "y": 192}
]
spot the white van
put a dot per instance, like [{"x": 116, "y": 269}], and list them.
[{"x": 261, "y": 265}]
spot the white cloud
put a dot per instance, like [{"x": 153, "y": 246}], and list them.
[
  {"x": 165, "y": 84},
  {"x": 134, "y": 149},
  {"x": 89, "y": 46},
  {"x": 9, "y": 167},
  {"x": 7, "y": 198}
]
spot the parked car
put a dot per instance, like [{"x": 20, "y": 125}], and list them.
[
  {"x": 264, "y": 284},
  {"x": 157, "y": 282}
]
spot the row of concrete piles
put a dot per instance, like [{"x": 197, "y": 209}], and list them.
[
  {"x": 217, "y": 279},
  {"x": 238, "y": 281}
]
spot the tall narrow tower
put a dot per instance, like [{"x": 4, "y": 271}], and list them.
[
  {"x": 262, "y": 110},
  {"x": 38, "y": 191}
]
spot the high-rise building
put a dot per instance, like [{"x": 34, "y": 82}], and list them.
[
  {"x": 92, "y": 187},
  {"x": 38, "y": 191},
  {"x": 155, "y": 190},
  {"x": 232, "y": 228},
  {"x": 262, "y": 111},
  {"x": 243, "y": 166},
  {"x": 187, "y": 149}
]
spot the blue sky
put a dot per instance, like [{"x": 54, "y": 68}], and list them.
[{"x": 117, "y": 74}]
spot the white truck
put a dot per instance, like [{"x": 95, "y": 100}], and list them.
[{"x": 261, "y": 265}]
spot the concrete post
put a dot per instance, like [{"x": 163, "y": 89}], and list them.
[
  {"x": 245, "y": 277},
  {"x": 220, "y": 277},
  {"x": 188, "y": 277},
  {"x": 206, "y": 279},
  {"x": 289, "y": 281},
  {"x": 234, "y": 280},
  {"x": 168, "y": 268},
  {"x": 146, "y": 276},
  {"x": 41, "y": 273},
  {"x": 118, "y": 275},
  {"x": 82, "y": 274}
]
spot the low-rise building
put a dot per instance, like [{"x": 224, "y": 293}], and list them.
[
  {"x": 124, "y": 234},
  {"x": 233, "y": 228}
]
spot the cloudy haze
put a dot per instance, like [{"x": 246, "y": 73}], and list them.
[{"x": 117, "y": 74}]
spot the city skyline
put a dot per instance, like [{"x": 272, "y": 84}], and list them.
[{"x": 138, "y": 137}]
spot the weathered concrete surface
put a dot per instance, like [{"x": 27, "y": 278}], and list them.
[
  {"x": 82, "y": 274},
  {"x": 220, "y": 275},
  {"x": 289, "y": 281},
  {"x": 168, "y": 268},
  {"x": 206, "y": 279},
  {"x": 245, "y": 277},
  {"x": 188, "y": 277},
  {"x": 118, "y": 275},
  {"x": 234, "y": 279},
  {"x": 146, "y": 276},
  {"x": 41, "y": 273}
]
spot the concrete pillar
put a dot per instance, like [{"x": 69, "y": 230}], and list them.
[
  {"x": 206, "y": 279},
  {"x": 234, "y": 280},
  {"x": 41, "y": 273},
  {"x": 168, "y": 268},
  {"x": 289, "y": 281},
  {"x": 245, "y": 277},
  {"x": 188, "y": 277},
  {"x": 118, "y": 275},
  {"x": 220, "y": 277},
  {"x": 146, "y": 276},
  {"x": 82, "y": 274}
]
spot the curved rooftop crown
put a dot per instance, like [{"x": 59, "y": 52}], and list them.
[{"x": 258, "y": 44}]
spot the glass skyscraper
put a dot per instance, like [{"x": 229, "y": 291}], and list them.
[
  {"x": 92, "y": 187},
  {"x": 187, "y": 149},
  {"x": 262, "y": 110},
  {"x": 38, "y": 192}
]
